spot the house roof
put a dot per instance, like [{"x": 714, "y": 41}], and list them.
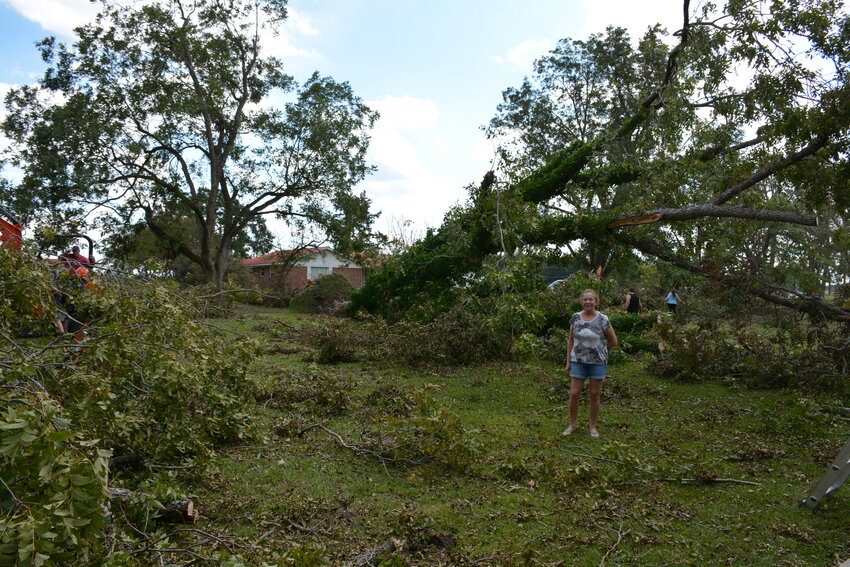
[
  {"x": 281, "y": 255},
  {"x": 358, "y": 258}
]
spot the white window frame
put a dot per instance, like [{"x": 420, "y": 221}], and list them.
[{"x": 316, "y": 271}]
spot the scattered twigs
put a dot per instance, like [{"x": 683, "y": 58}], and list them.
[
  {"x": 291, "y": 327},
  {"x": 616, "y": 543},
  {"x": 603, "y": 459},
  {"x": 490, "y": 559},
  {"x": 339, "y": 439},
  {"x": 363, "y": 451},
  {"x": 370, "y": 558},
  {"x": 706, "y": 480},
  {"x": 701, "y": 480}
]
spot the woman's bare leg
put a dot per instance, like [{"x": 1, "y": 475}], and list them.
[
  {"x": 595, "y": 401},
  {"x": 576, "y": 386}
]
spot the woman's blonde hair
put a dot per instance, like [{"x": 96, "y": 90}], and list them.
[{"x": 593, "y": 291}]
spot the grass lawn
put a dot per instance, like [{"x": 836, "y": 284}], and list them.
[{"x": 683, "y": 474}]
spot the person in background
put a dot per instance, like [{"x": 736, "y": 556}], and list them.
[
  {"x": 68, "y": 284},
  {"x": 591, "y": 337},
  {"x": 673, "y": 300},
  {"x": 73, "y": 260},
  {"x": 632, "y": 301}
]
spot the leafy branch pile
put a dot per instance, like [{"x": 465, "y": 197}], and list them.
[
  {"x": 789, "y": 352},
  {"x": 149, "y": 385}
]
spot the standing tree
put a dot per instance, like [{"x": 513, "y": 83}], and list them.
[{"x": 164, "y": 106}]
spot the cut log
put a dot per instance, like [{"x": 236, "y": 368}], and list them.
[{"x": 174, "y": 511}]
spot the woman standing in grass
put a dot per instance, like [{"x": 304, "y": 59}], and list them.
[{"x": 591, "y": 337}]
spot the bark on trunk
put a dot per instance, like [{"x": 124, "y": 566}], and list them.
[
  {"x": 716, "y": 211},
  {"x": 175, "y": 511}
]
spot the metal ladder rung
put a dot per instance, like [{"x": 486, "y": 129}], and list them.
[{"x": 832, "y": 479}]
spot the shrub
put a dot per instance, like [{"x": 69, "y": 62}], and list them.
[
  {"x": 428, "y": 433},
  {"x": 632, "y": 323},
  {"x": 454, "y": 337},
  {"x": 322, "y": 294},
  {"x": 317, "y": 390},
  {"x": 334, "y": 340}
]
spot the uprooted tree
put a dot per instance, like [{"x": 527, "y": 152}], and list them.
[
  {"x": 167, "y": 106},
  {"x": 617, "y": 150}
]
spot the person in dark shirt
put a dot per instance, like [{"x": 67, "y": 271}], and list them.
[{"x": 632, "y": 302}]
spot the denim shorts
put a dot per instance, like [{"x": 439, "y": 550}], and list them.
[{"x": 582, "y": 370}]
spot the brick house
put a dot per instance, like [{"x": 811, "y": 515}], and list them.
[{"x": 305, "y": 266}]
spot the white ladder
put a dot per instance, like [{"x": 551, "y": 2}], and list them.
[{"x": 832, "y": 479}]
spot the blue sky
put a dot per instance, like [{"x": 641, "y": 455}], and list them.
[{"x": 435, "y": 69}]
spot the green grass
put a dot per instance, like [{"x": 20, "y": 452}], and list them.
[{"x": 530, "y": 496}]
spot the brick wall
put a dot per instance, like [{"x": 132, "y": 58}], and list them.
[
  {"x": 355, "y": 276},
  {"x": 297, "y": 277}
]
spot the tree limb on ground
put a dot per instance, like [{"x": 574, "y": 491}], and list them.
[
  {"x": 179, "y": 511},
  {"x": 706, "y": 480},
  {"x": 360, "y": 450}
]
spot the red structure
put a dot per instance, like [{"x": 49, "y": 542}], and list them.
[
  {"x": 11, "y": 230},
  {"x": 291, "y": 270}
]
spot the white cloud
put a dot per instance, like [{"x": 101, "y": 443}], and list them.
[
  {"x": 404, "y": 186},
  {"x": 483, "y": 150},
  {"x": 284, "y": 43},
  {"x": 392, "y": 149},
  {"x": 56, "y": 16},
  {"x": 283, "y": 46},
  {"x": 299, "y": 22},
  {"x": 406, "y": 112},
  {"x": 524, "y": 54},
  {"x": 423, "y": 200}
]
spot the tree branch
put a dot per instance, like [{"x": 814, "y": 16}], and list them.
[
  {"x": 752, "y": 286},
  {"x": 814, "y": 146},
  {"x": 700, "y": 211}
]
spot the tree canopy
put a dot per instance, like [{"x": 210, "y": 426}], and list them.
[
  {"x": 166, "y": 109},
  {"x": 617, "y": 149}
]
